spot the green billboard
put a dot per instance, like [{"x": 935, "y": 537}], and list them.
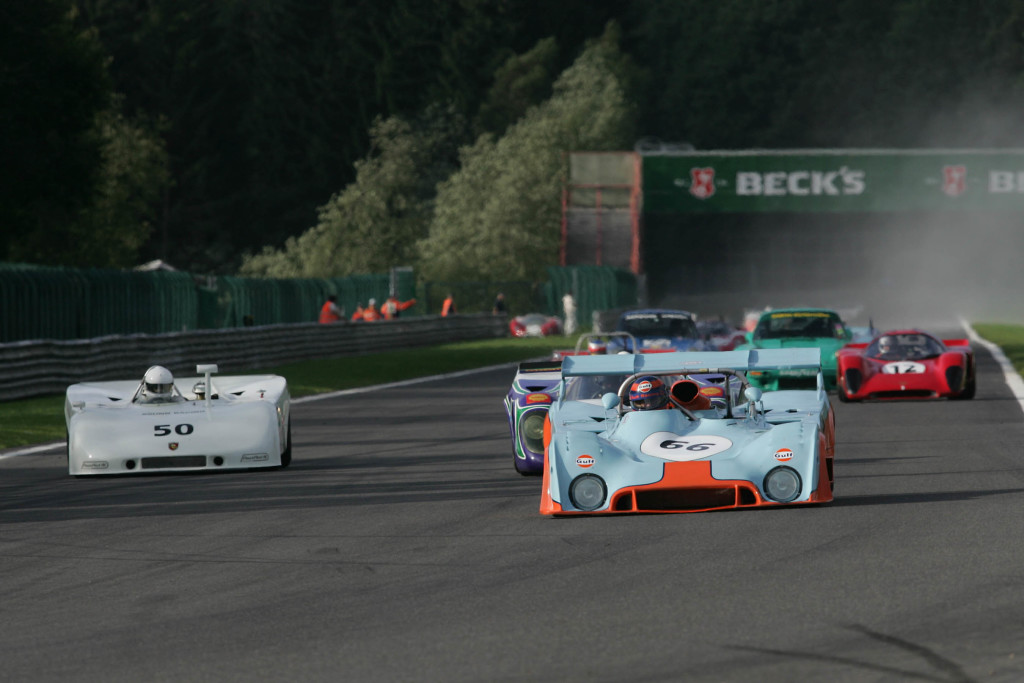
[{"x": 833, "y": 180}]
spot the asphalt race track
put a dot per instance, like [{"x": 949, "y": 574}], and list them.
[{"x": 402, "y": 546}]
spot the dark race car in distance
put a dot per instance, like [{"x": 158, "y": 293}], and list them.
[
  {"x": 721, "y": 335},
  {"x": 906, "y": 364},
  {"x": 659, "y": 329}
]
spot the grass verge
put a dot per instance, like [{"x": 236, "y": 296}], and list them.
[
  {"x": 1010, "y": 338},
  {"x": 41, "y": 420}
]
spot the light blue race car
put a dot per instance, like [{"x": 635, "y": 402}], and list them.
[{"x": 750, "y": 448}]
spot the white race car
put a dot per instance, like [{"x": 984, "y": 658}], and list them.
[{"x": 233, "y": 422}]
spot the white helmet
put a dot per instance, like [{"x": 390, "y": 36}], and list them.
[{"x": 158, "y": 382}]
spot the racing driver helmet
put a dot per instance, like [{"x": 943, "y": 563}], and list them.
[
  {"x": 886, "y": 344},
  {"x": 648, "y": 393},
  {"x": 596, "y": 346},
  {"x": 158, "y": 383}
]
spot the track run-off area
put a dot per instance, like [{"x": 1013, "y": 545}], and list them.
[{"x": 401, "y": 545}]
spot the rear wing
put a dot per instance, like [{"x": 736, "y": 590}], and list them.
[
  {"x": 540, "y": 367},
  {"x": 862, "y": 345},
  {"x": 693, "y": 362},
  {"x": 956, "y": 342}
]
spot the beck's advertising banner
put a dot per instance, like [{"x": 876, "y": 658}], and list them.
[{"x": 834, "y": 180}]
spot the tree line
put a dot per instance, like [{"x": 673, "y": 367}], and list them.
[{"x": 331, "y": 137}]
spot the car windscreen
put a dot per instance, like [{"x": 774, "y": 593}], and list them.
[
  {"x": 788, "y": 325},
  {"x": 659, "y": 325},
  {"x": 905, "y": 347},
  {"x": 592, "y": 386}
]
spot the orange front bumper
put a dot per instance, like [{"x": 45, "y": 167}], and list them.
[{"x": 685, "y": 487}]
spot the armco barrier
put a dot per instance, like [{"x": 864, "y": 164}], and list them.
[{"x": 34, "y": 368}]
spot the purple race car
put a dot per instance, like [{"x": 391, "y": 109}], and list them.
[{"x": 534, "y": 388}]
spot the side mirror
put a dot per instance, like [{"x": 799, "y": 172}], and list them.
[
  {"x": 753, "y": 394},
  {"x": 610, "y": 400}
]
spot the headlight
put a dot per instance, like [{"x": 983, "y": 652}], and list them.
[
  {"x": 782, "y": 484},
  {"x": 532, "y": 429},
  {"x": 587, "y": 492}
]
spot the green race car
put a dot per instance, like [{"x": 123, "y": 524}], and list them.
[{"x": 785, "y": 328}]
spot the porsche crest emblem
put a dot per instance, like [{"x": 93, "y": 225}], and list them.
[{"x": 173, "y": 445}]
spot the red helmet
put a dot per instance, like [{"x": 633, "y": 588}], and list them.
[
  {"x": 595, "y": 346},
  {"x": 648, "y": 393}
]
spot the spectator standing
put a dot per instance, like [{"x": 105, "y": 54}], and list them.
[
  {"x": 392, "y": 307},
  {"x": 448, "y": 307},
  {"x": 569, "y": 304},
  {"x": 499, "y": 305},
  {"x": 370, "y": 313},
  {"x": 358, "y": 315},
  {"x": 329, "y": 312}
]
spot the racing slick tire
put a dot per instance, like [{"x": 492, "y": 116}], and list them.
[
  {"x": 969, "y": 389},
  {"x": 525, "y": 474},
  {"x": 286, "y": 454},
  {"x": 968, "y": 392}
]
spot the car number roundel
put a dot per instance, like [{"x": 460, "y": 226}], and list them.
[
  {"x": 903, "y": 367},
  {"x": 669, "y": 446}
]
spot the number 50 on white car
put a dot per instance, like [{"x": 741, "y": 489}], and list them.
[{"x": 184, "y": 424}]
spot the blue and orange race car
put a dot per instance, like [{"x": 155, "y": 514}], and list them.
[
  {"x": 538, "y": 384},
  {"x": 619, "y": 454}
]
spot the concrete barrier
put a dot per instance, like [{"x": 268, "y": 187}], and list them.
[{"x": 34, "y": 368}]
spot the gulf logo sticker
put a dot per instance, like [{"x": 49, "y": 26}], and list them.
[
  {"x": 643, "y": 387},
  {"x": 784, "y": 454},
  {"x": 585, "y": 461},
  {"x": 538, "y": 398}
]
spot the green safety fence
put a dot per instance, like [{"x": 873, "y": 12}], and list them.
[
  {"x": 42, "y": 302},
  {"x": 39, "y": 302},
  {"x": 478, "y": 296},
  {"x": 594, "y": 288},
  {"x": 237, "y": 301}
]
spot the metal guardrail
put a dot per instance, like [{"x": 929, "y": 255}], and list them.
[{"x": 34, "y": 368}]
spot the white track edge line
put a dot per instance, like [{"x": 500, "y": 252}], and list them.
[
  {"x": 316, "y": 397},
  {"x": 34, "y": 449},
  {"x": 1013, "y": 379},
  {"x": 402, "y": 383}
]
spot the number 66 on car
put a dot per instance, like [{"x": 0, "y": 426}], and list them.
[{"x": 184, "y": 424}]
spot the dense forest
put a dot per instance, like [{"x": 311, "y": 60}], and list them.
[{"x": 330, "y": 137}]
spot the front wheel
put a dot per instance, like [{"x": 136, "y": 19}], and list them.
[
  {"x": 525, "y": 473},
  {"x": 968, "y": 392},
  {"x": 286, "y": 454}
]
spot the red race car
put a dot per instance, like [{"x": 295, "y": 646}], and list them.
[
  {"x": 534, "y": 325},
  {"x": 904, "y": 364}
]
